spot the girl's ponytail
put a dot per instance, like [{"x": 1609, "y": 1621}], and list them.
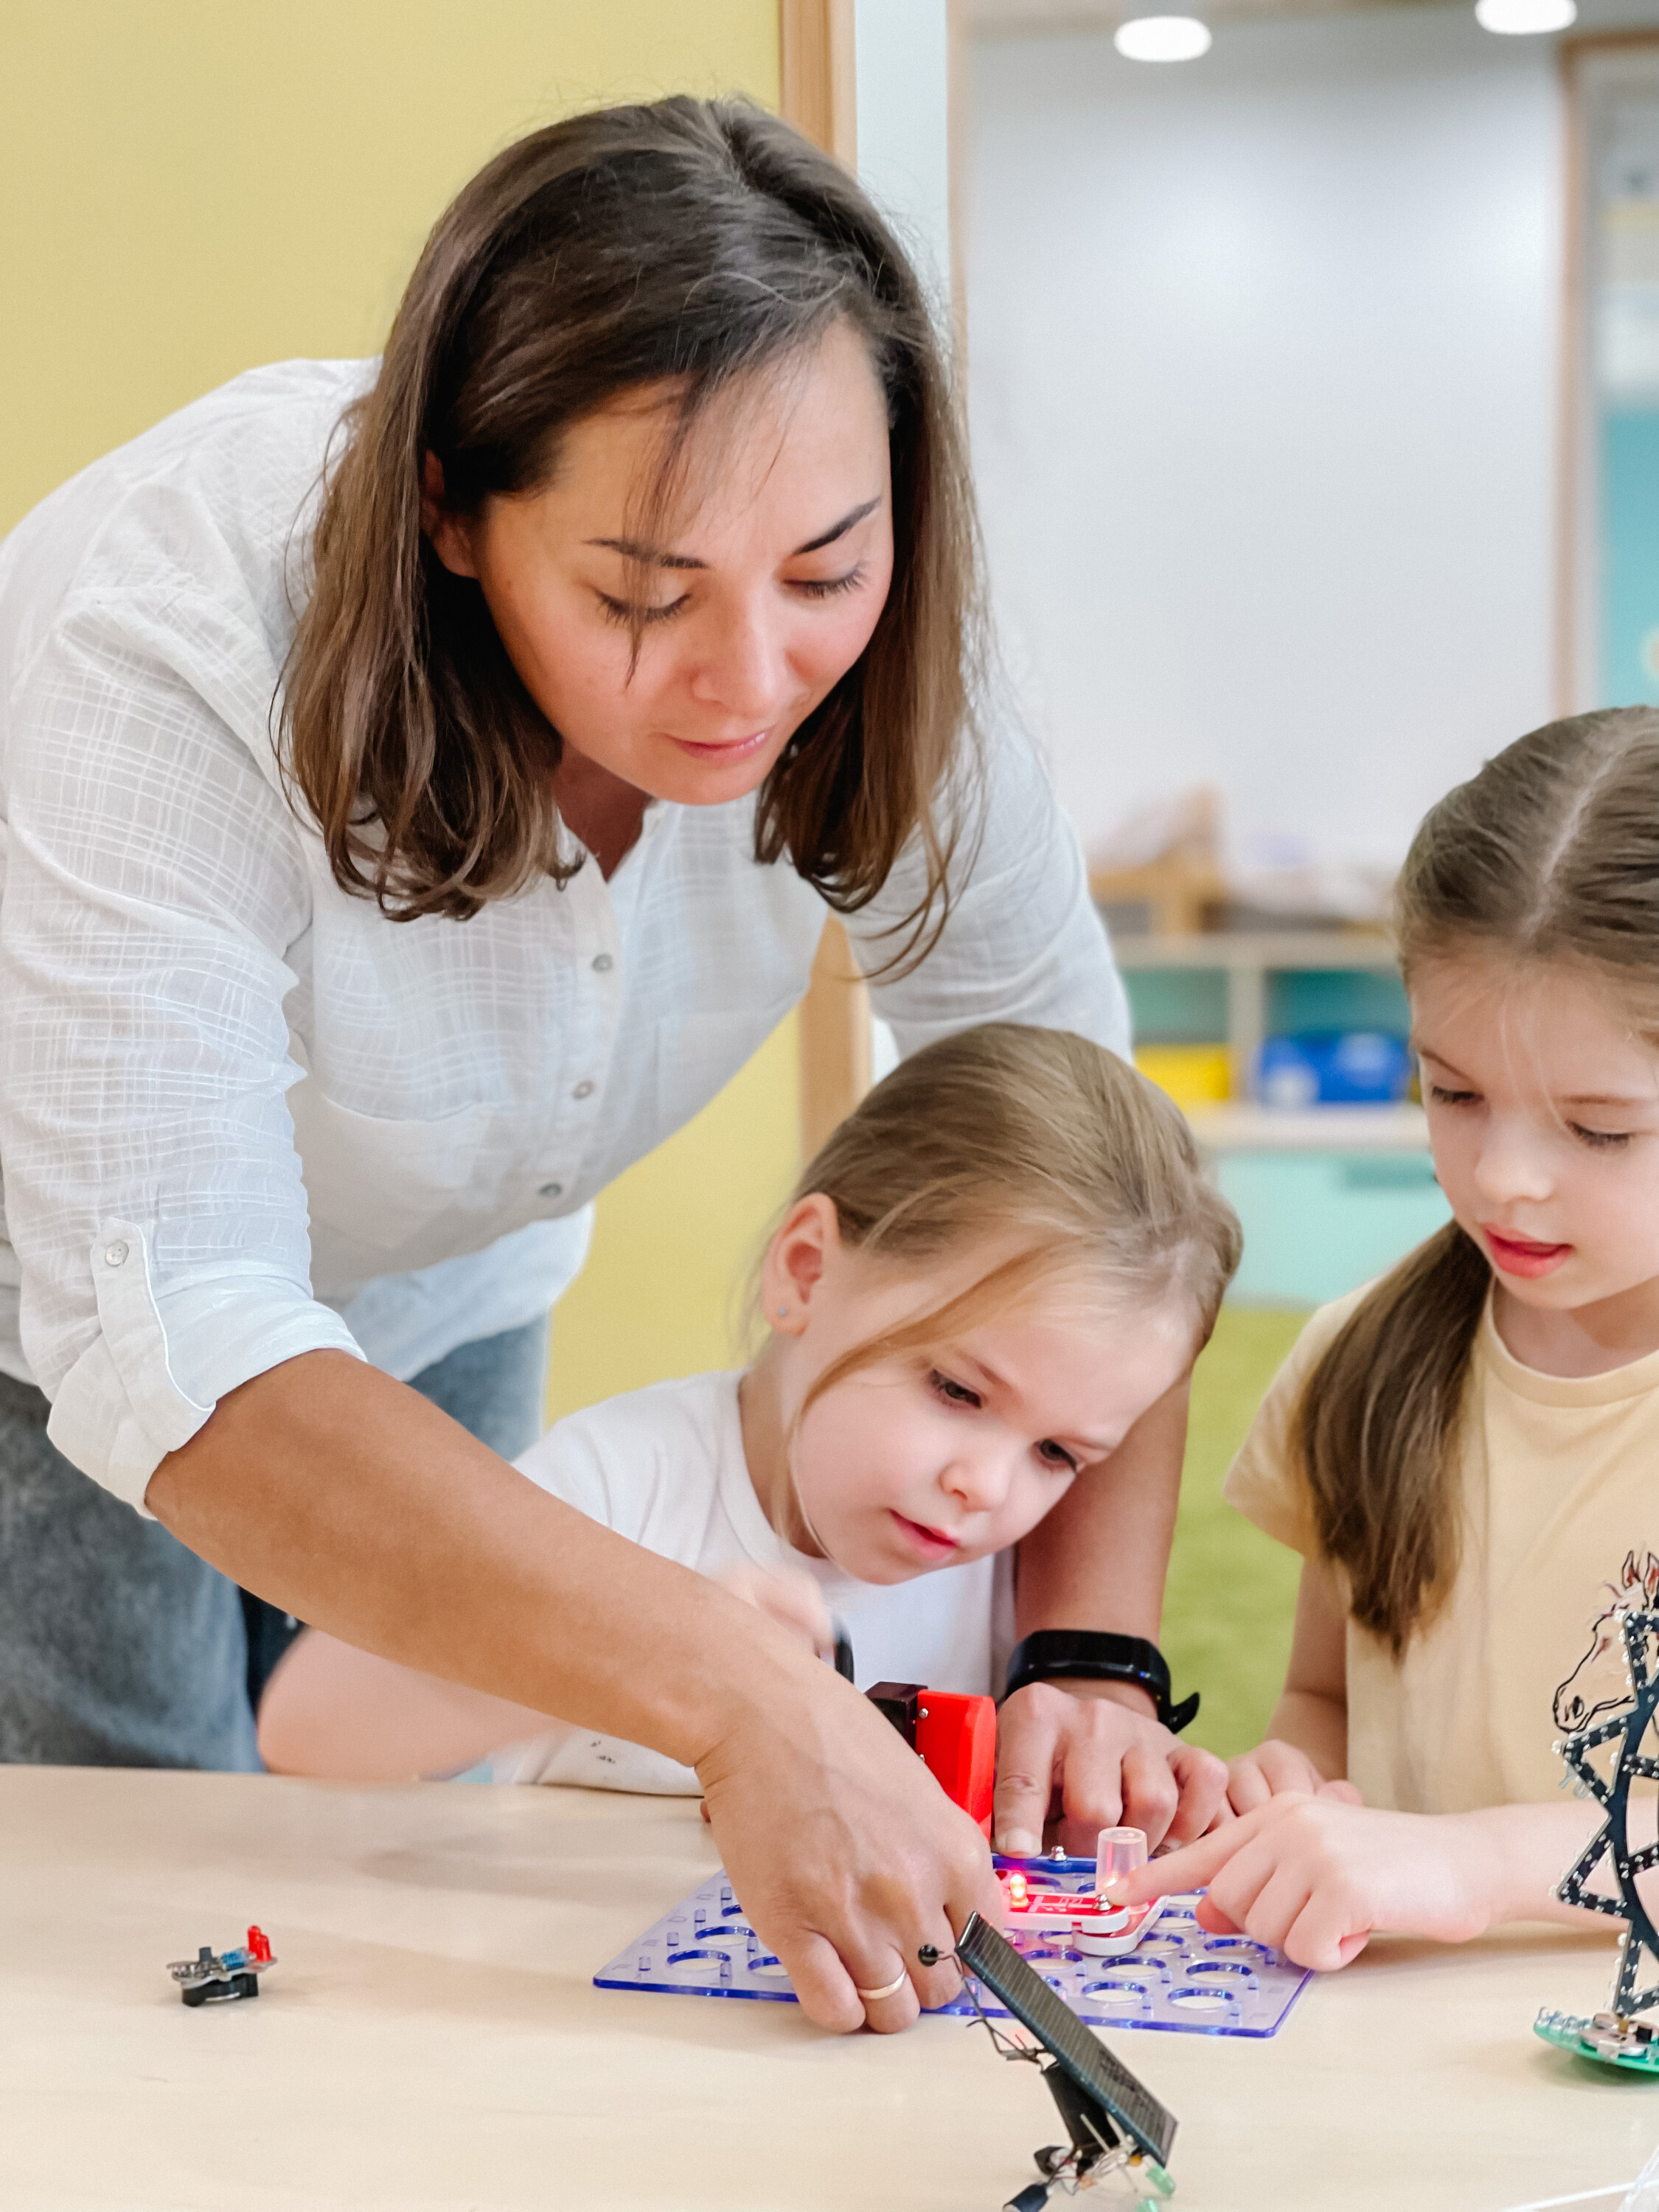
[{"x": 1376, "y": 1429}]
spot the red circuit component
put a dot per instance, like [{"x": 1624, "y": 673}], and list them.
[
  {"x": 259, "y": 1946},
  {"x": 956, "y": 1736}
]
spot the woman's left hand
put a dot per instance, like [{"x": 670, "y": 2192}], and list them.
[{"x": 1074, "y": 1758}]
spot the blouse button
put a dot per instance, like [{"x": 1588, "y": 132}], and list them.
[
  {"x": 583, "y": 1090},
  {"x": 552, "y": 1190},
  {"x": 116, "y": 1255},
  {"x": 603, "y": 963}
]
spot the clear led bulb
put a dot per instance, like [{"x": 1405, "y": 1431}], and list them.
[{"x": 1117, "y": 1854}]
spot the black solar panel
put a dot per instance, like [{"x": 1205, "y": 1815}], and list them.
[{"x": 1084, "y": 2059}]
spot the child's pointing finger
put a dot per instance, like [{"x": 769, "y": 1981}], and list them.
[{"x": 1198, "y": 1865}]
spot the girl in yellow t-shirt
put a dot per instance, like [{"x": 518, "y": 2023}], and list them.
[{"x": 1465, "y": 1452}]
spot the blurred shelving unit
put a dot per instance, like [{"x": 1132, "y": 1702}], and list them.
[
  {"x": 1236, "y": 976},
  {"x": 1329, "y": 1195}
]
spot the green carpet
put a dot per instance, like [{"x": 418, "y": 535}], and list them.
[{"x": 1231, "y": 1596}]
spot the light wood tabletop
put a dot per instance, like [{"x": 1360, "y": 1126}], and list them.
[{"x": 431, "y": 2038}]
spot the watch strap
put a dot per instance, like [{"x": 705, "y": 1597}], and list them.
[{"x": 1091, "y": 1655}]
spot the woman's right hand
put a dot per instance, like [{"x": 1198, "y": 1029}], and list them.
[
  {"x": 349, "y": 1500},
  {"x": 845, "y": 1854}
]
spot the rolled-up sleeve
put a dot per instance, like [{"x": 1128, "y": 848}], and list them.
[
  {"x": 1024, "y": 941},
  {"x": 154, "y": 883}
]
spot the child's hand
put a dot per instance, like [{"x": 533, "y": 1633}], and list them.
[
  {"x": 1271, "y": 1770},
  {"x": 785, "y": 1595},
  {"x": 1090, "y": 1763},
  {"x": 1314, "y": 1876}
]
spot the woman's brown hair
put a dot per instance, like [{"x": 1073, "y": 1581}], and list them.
[
  {"x": 684, "y": 244},
  {"x": 1550, "y": 855},
  {"x": 1049, "y": 1150}
]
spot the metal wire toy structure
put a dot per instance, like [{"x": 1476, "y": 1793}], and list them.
[{"x": 1618, "y": 2036}]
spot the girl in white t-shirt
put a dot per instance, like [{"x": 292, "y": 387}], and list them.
[
  {"x": 1464, "y": 1453},
  {"x": 997, "y": 1264}
]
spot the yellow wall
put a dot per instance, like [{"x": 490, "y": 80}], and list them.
[
  {"x": 190, "y": 187},
  {"x": 677, "y": 1235}
]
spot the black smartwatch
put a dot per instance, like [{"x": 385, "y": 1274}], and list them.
[{"x": 1088, "y": 1655}]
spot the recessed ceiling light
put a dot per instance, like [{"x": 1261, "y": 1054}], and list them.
[
  {"x": 1180, "y": 38},
  {"x": 1520, "y": 19}
]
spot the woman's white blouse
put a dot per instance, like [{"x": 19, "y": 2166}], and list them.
[{"x": 243, "y": 1116}]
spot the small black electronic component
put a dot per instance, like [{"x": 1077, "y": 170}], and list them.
[
  {"x": 901, "y": 1703},
  {"x": 1115, "y": 2121}
]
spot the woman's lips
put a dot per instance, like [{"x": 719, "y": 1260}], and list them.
[
  {"x": 736, "y": 748},
  {"x": 931, "y": 1543},
  {"x": 1522, "y": 1255}
]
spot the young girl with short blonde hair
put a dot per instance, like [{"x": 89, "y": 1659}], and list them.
[{"x": 1002, "y": 1258}]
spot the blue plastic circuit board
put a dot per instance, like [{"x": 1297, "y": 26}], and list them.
[{"x": 1178, "y": 1978}]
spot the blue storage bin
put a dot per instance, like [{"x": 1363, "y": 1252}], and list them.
[{"x": 1332, "y": 1067}]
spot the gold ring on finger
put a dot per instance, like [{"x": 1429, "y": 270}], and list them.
[{"x": 887, "y": 1989}]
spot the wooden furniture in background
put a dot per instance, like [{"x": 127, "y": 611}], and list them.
[
  {"x": 820, "y": 97},
  {"x": 834, "y": 1040},
  {"x": 1249, "y": 960},
  {"x": 1179, "y": 888}
]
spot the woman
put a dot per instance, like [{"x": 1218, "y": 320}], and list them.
[{"x": 423, "y": 788}]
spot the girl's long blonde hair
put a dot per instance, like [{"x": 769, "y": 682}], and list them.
[
  {"x": 1045, "y": 1148},
  {"x": 1550, "y": 855}
]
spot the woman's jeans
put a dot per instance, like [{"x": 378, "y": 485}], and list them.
[{"x": 120, "y": 1647}]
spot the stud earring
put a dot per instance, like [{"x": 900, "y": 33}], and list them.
[{"x": 783, "y": 1312}]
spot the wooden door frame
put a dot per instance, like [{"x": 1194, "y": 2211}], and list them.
[{"x": 820, "y": 97}]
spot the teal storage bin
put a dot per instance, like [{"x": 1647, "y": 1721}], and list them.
[{"x": 1318, "y": 1223}]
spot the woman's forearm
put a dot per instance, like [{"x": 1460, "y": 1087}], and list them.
[
  {"x": 1099, "y": 1559},
  {"x": 338, "y": 1493},
  {"x": 351, "y": 1501}
]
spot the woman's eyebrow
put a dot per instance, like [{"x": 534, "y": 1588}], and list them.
[
  {"x": 837, "y": 530},
  {"x": 633, "y": 549}
]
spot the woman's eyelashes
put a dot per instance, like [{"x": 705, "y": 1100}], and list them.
[
  {"x": 633, "y": 614},
  {"x": 1442, "y": 1096},
  {"x": 628, "y": 614},
  {"x": 828, "y": 587}
]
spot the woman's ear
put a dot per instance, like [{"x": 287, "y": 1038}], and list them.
[
  {"x": 450, "y": 535},
  {"x": 792, "y": 1271}
]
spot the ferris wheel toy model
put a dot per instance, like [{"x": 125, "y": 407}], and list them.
[{"x": 1620, "y": 2036}]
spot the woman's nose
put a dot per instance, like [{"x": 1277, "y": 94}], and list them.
[{"x": 744, "y": 667}]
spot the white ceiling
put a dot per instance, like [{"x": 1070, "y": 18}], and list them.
[{"x": 1003, "y": 18}]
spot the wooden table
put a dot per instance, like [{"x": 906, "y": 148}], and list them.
[{"x": 431, "y": 2038}]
